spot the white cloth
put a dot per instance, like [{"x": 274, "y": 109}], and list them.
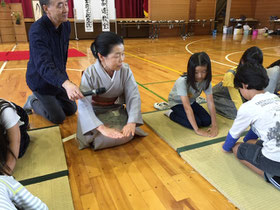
[
  {"x": 13, "y": 193},
  {"x": 262, "y": 113},
  {"x": 121, "y": 86},
  {"x": 9, "y": 118},
  {"x": 180, "y": 89}
]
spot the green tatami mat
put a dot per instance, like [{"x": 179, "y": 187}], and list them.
[
  {"x": 243, "y": 187},
  {"x": 55, "y": 193},
  {"x": 45, "y": 155},
  {"x": 178, "y": 136}
]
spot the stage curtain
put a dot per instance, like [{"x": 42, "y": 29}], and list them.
[
  {"x": 27, "y": 7},
  {"x": 146, "y": 8},
  {"x": 129, "y": 8}
]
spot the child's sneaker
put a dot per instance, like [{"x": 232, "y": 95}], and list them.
[
  {"x": 275, "y": 180},
  {"x": 200, "y": 100},
  {"x": 161, "y": 106}
]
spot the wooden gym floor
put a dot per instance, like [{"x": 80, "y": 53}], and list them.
[{"x": 145, "y": 173}]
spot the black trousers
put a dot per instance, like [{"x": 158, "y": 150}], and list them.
[
  {"x": 54, "y": 107},
  {"x": 179, "y": 115}
]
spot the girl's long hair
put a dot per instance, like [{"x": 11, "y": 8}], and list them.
[
  {"x": 4, "y": 142},
  {"x": 198, "y": 59},
  {"x": 252, "y": 55}
]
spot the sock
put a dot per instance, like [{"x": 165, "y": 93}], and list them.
[{"x": 167, "y": 113}]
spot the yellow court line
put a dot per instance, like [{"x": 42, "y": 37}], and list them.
[{"x": 152, "y": 62}]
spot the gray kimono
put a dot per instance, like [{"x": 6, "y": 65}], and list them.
[{"x": 108, "y": 108}]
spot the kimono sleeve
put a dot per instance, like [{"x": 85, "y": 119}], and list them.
[
  {"x": 87, "y": 118},
  {"x": 132, "y": 100}
]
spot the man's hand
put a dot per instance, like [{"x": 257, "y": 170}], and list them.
[{"x": 72, "y": 90}]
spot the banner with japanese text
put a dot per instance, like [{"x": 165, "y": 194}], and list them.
[
  {"x": 79, "y": 6},
  {"x": 104, "y": 16},
  {"x": 88, "y": 16}
]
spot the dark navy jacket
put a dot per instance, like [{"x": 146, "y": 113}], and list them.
[{"x": 46, "y": 69}]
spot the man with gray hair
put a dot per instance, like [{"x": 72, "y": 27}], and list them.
[{"x": 54, "y": 94}]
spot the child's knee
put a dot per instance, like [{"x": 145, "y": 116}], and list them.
[
  {"x": 235, "y": 149},
  {"x": 206, "y": 121}
]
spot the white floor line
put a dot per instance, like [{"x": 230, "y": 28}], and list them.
[
  {"x": 69, "y": 138},
  {"x": 226, "y": 57},
  {"x": 75, "y": 69},
  {"x": 3, "y": 66},
  {"x": 266, "y": 48},
  {"x": 187, "y": 48},
  {"x": 272, "y": 55},
  {"x": 5, "y": 63},
  {"x": 231, "y": 66},
  {"x": 15, "y": 69}
]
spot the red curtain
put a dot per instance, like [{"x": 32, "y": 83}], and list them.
[
  {"x": 70, "y": 5},
  {"x": 146, "y": 8},
  {"x": 28, "y": 11},
  {"x": 129, "y": 8}
]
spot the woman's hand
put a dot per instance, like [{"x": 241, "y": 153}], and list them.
[
  {"x": 213, "y": 131},
  {"x": 110, "y": 132},
  {"x": 129, "y": 129}
]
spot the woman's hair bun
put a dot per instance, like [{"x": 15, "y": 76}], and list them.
[{"x": 93, "y": 50}]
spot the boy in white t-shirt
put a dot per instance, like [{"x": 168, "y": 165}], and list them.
[{"x": 262, "y": 113}]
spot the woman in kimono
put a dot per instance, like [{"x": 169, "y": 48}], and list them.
[{"x": 111, "y": 118}]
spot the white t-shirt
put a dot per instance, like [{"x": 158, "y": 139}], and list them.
[
  {"x": 262, "y": 113},
  {"x": 180, "y": 89},
  {"x": 9, "y": 117}
]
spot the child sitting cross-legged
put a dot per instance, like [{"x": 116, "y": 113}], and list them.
[{"x": 261, "y": 148}]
